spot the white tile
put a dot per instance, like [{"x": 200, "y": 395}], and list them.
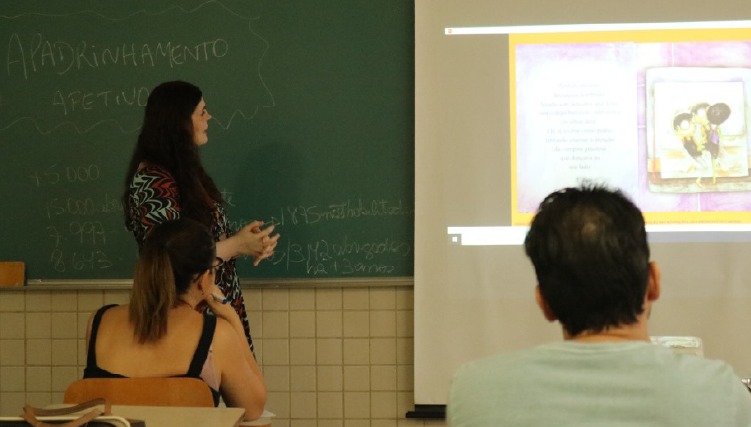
[
  {"x": 38, "y": 301},
  {"x": 356, "y": 324},
  {"x": 38, "y": 325},
  {"x": 329, "y": 324},
  {"x": 275, "y": 324},
  {"x": 356, "y": 404},
  {"x": 383, "y": 404},
  {"x": 356, "y": 299},
  {"x": 383, "y": 323},
  {"x": 329, "y": 351},
  {"x": 12, "y": 352},
  {"x": 382, "y": 298},
  {"x": 330, "y": 406},
  {"x": 302, "y": 324},
  {"x": 275, "y": 299},
  {"x": 303, "y": 404},
  {"x": 302, "y": 351},
  {"x": 302, "y": 299},
  {"x": 12, "y": 325},
  {"x": 330, "y": 378},
  {"x": 303, "y": 378},
  {"x": 328, "y": 299}
]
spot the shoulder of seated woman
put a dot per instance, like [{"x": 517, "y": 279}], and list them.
[
  {"x": 224, "y": 335},
  {"x": 115, "y": 311}
]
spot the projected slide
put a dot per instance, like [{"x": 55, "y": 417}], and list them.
[{"x": 661, "y": 113}]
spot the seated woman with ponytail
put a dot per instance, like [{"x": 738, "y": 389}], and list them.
[{"x": 163, "y": 332}]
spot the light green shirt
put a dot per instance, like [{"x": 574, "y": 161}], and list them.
[{"x": 598, "y": 384}]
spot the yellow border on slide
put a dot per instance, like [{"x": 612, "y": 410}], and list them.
[
  {"x": 655, "y": 218},
  {"x": 632, "y": 36}
]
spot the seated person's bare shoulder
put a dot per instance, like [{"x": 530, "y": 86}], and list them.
[
  {"x": 226, "y": 346},
  {"x": 119, "y": 352}
]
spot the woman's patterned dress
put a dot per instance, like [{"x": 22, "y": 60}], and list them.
[{"x": 154, "y": 198}]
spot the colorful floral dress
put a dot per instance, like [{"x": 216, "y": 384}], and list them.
[{"x": 153, "y": 198}]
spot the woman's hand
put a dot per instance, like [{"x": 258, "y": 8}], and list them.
[
  {"x": 269, "y": 242},
  {"x": 219, "y": 305},
  {"x": 250, "y": 240},
  {"x": 257, "y": 242}
]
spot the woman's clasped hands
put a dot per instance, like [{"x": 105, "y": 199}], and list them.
[{"x": 258, "y": 242}]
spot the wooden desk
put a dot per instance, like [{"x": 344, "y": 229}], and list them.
[{"x": 170, "y": 416}]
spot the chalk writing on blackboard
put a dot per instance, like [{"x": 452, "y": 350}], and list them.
[
  {"x": 74, "y": 80},
  {"x": 313, "y": 214},
  {"x": 344, "y": 256},
  {"x": 90, "y": 68},
  {"x": 32, "y": 54}
]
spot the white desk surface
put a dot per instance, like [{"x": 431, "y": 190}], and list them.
[{"x": 170, "y": 416}]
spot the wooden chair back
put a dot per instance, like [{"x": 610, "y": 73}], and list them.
[{"x": 168, "y": 391}]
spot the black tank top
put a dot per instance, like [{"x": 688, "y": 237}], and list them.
[{"x": 93, "y": 370}]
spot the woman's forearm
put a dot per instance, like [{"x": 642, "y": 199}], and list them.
[{"x": 227, "y": 249}]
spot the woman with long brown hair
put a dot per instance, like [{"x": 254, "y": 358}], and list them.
[
  {"x": 166, "y": 180},
  {"x": 162, "y": 332}
]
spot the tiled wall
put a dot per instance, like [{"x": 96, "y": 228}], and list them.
[{"x": 331, "y": 356}]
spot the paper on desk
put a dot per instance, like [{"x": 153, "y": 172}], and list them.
[
  {"x": 263, "y": 420},
  {"x": 681, "y": 344}
]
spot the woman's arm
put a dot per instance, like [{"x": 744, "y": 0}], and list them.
[
  {"x": 160, "y": 203},
  {"x": 158, "y": 200},
  {"x": 242, "y": 384}
]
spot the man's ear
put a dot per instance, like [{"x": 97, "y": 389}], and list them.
[
  {"x": 546, "y": 311},
  {"x": 653, "y": 282}
]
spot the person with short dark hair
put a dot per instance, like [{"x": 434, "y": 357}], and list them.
[
  {"x": 162, "y": 332},
  {"x": 589, "y": 249}
]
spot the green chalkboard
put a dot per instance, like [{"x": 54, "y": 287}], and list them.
[{"x": 313, "y": 105}]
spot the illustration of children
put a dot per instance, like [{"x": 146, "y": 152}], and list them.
[{"x": 716, "y": 115}]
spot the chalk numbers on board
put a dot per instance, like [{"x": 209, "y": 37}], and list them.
[
  {"x": 55, "y": 174},
  {"x": 79, "y": 260},
  {"x": 77, "y": 239}
]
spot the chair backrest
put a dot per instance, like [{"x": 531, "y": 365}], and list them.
[{"x": 169, "y": 391}]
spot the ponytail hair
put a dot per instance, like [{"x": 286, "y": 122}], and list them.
[{"x": 174, "y": 254}]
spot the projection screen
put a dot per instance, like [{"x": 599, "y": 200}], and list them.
[{"x": 516, "y": 99}]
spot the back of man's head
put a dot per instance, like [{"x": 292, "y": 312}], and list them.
[{"x": 589, "y": 249}]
